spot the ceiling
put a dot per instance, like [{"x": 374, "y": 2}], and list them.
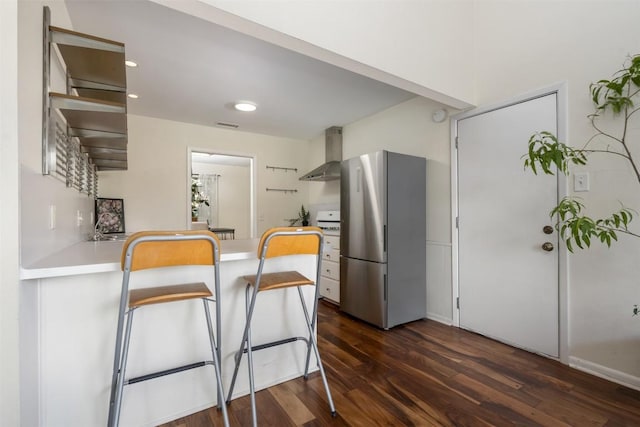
[{"x": 191, "y": 70}]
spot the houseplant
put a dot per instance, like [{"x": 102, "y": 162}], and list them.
[
  {"x": 303, "y": 217},
  {"x": 197, "y": 199}
]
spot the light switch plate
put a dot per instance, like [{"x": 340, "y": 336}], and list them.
[{"x": 581, "y": 181}]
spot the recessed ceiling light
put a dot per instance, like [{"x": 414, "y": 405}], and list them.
[
  {"x": 131, "y": 64},
  {"x": 132, "y": 96},
  {"x": 245, "y": 106}
]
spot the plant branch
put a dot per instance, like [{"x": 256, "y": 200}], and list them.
[
  {"x": 600, "y": 132},
  {"x": 623, "y": 155},
  {"x": 633, "y": 111},
  {"x": 624, "y": 135},
  {"x": 580, "y": 229}
]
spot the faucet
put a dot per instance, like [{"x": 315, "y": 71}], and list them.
[{"x": 97, "y": 230}]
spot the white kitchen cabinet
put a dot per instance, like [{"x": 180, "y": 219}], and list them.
[{"x": 330, "y": 274}]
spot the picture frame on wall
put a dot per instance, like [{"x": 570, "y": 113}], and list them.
[{"x": 109, "y": 218}]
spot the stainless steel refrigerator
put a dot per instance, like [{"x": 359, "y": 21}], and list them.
[{"x": 383, "y": 238}]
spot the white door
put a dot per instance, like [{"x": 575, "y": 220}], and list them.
[{"x": 508, "y": 284}]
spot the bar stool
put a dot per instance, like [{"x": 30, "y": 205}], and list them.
[
  {"x": 278, "y": 242},
  {"x": 156, "y": 249}
]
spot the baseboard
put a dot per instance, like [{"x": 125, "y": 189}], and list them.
[
  {"x": 440, "y": 319},
  {"x": 604, "y": 372}
]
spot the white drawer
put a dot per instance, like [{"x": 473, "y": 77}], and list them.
[
  {"x": 330, "y": 289},
  {"x": 331, "y": 270},
  {"x": 332, "y": 242},
  {"x": 332, "y": 255}
]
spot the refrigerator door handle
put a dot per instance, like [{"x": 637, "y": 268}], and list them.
[
  {"x": 385, "y": 288},
  {"x": 384, "y": 238}
]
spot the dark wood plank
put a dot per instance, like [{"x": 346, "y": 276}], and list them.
[{"x": 428, "y": 374}]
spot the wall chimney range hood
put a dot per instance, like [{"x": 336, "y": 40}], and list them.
[{"x": 330, "y": 169}]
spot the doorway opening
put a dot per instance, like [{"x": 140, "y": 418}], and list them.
[{"x": 222, "y": 193}]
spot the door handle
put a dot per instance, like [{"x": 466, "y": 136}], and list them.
[{"x": 547, "y": 246}]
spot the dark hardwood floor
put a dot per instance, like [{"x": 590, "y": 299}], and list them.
[{"x": 428, "y": 374}]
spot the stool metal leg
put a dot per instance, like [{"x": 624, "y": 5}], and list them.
[
  {"x": 316, "y": 295},
  {"x": 115, "y": 378},
  {"x": 237, "y": 357},
  {"x": 243, "y": 343},
  {"x": 252, "y": 387},
  {"x": 314, "y": 344},
  {"x": 216, "y": 364},
  {"x": 115, "y": 419},
  {"x": 117, "y": 357}
]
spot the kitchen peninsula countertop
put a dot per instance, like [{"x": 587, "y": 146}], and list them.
[
  {"x": 104, "y": 256},
  {"x": 72, "y": 303}
]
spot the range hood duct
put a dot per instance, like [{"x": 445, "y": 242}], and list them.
[{"x": 330, "y": 169}]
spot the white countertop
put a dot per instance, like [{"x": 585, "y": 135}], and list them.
[{"x": 104, "y": 257}]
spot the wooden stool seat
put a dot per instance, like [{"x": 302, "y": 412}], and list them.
[
  {"x": 163, "y": 294},
  {"x": 283, "y": 279}
]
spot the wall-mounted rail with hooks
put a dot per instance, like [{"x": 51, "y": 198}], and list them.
[
  {"x": 282, "y": 168},
  {"x": 284, "y": 190}
]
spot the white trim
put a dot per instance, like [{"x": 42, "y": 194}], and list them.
[
  {"x": 561, "y": 91},
  {"x": 455, "y": 292},
  {"x": 601, "y": 371}
]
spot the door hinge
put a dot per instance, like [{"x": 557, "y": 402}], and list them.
[
  {"x": 457, "y": 222},
  {"x": 456, "y": 142},
  {"x": 458, "y": 303}
]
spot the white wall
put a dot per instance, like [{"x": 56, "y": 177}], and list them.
[
  {"x": 234, "y": 196},
  {"x": 525, "y": 45},
  {"x": 9, "y": 237},
  {"x": 38, "y": 192},
  {"x": 155, "y": 190}
]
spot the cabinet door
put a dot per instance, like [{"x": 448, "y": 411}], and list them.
[
  {"x": 331, "y": 270},
  {"x": 330, "y": 289},
  {"x": 332, "y": 255},
  {"x": 332, "y": 242}
]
